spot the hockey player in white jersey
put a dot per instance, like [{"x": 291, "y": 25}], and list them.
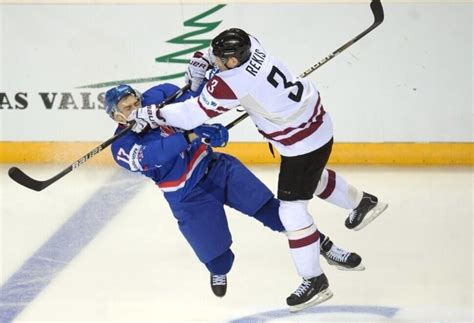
[{"x": 288, "y": 112}]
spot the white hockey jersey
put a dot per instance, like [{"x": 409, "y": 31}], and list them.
[{"x": 286, "y": 110}]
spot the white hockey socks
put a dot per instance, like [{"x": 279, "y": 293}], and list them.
[
  {"x": 335, "y": 190},
  {"x": 303, "y": 237},
  {"x": 304, "y": 247}
]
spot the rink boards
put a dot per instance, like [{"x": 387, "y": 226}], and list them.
[{"x": 259, "y": 153}]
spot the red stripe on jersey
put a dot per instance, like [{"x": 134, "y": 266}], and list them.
[
  {"x": 306, "y": 241},
  {"x": 300, "y": 135},
  {"x": 222, "y": 109},
  {"x": 304, "y": 133},
  {"x": 288, "y": 130},
  {"x": 196, "y": 155},
  {"x": 210, "y": 113},
  {"x": 329, "y": 186},
  {"x": 219, "y": 89}
]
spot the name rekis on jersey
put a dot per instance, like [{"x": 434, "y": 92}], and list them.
[{"x": 256, "y": 61}]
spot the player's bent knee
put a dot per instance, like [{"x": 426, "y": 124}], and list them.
[
  {"x": 294, "y": 215},
  {"x": 323, "y": 182},
  {"x": 222, "y": 264}
]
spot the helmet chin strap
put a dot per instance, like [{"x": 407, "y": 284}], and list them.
[{"x": 120, "y": 114}]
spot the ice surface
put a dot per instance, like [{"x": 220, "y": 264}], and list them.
[{"x": 101, "y": 245}]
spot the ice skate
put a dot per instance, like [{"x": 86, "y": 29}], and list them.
[
  {"x": 219, "y": 285},
  {"x": 343, "y": 260},
  {"x": 312, "y": 291},
  {"x": 368, "y": 209}
]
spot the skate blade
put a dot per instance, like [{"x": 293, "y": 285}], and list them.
[
  {"x": 319, "y": 298},
  {"x": 359, "y": 267},
  {"x": 374, "y": 213}
]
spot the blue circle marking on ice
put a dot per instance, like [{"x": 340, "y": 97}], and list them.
[{"x": 384, "y": 311}]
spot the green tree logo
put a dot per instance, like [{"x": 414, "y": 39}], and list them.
[{"x": 180, "y": 57}]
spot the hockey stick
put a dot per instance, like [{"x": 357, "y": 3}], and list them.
[
  {"x": 21, "y": 178},
  {"x": 377, "y": 11}
]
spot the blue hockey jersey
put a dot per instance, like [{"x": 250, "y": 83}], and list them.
[{"x": 163, "y": 154}]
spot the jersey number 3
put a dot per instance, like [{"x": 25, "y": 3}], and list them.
[
  {"x": 293, "y": 96},
  {"x": 211, "y": 87}
]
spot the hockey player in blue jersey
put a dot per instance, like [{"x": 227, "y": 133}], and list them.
[{"x": 198, "y": 182}]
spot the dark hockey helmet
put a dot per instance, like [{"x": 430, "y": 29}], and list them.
[{"x": 232, "y": 42}]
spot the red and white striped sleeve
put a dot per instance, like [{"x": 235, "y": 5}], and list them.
[{"x": 216, "y": 98}]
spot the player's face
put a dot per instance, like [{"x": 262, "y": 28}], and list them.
[
  {"x": 220, "y": 63},
  {"x": 126, "y": 106},
  {"x": 226, "y": 63}
]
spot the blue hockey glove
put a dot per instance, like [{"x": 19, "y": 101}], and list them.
[{"x": 215, "y": 135}]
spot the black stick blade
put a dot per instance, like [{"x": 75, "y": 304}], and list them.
[
  {"x": 377, "y": 10},
  {"x": 21, "y": 178}
]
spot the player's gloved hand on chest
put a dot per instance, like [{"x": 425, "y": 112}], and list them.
[
  {"x": 215, "y": 135},
  {"x": 146, "y": 116},
  {"x": 196, "y": 72}
]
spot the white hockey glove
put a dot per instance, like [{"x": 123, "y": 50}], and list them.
[
  {"x": 146, "y": 116},
  {"x": 197, "y": 67}
]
